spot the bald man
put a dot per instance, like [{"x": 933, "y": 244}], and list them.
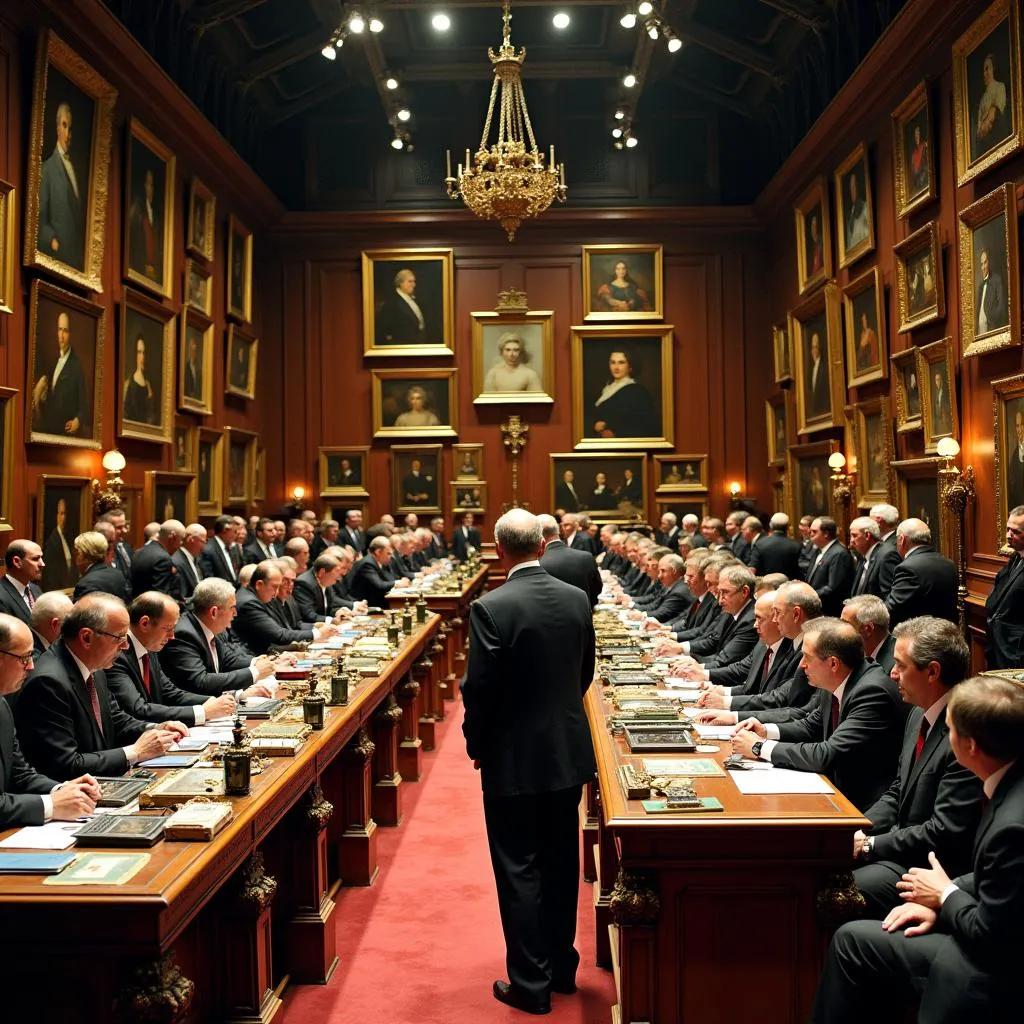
[
  {"x": 925, "y": 582},
  {"x": 153, "y": 566}
]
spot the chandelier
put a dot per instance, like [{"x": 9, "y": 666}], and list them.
[{"x": 507, "y": 182}]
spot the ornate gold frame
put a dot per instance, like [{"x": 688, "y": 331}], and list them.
[
  {"x": 446, "y": 346},
  {"x": 449, "y": 429},
  {"x": 545, "y": 319},
  {"x": 658, "y": 299},
  {"x": 204, "y": 405},
  {"x": 453, "y": 488},
  {"x": 197, "y": 188},
  {"x": 1004, "y": 390},
  {"x": 1000, "y": 202},
  {"x": 661, "y": 505},
  {"x": 577, "y": 339},
  {"x": 782, "y": 350},
  {"x": 871, "y": 279},
  {"x": 157, "y": 478},
  {"x": 85, "y": 507},
  {"x": 457, "y": 450},
  {"x": 817, "y": 193},
  {"x": 191, "y": 445},
  {"x": 259, "y": 476},
  {"x": 905, "y": 422},
  {"x": 828, "y": 300},
  {"x": 963, "y": 118},
  {"x": 323, "y": 477},
  {"x": 432, "y": 451},
  {"x": 53, "y": 49},
  {"x": 8, "y": 398},
  {"x": 602, "y": 516},
  {"x": 780, "y": 398},
  {"x": 138, "y": 131},
  {"x": 250, "y": 440},
  {"x": 856, "y": 416},
  {"x": 859, "y": 155},
  {"x": 929, "y": 356},
  {"x": 249, "y": 391},
  {"x": 8, "y": 245},
  {"x": 216, "y": 441},
  {"x": 926, "y": 469},
  {"x": 244, "y": 315},
  {"x": 162, "y": 432},
  {"x": 924, "y": 238},
  {"x": 675, "y": 457},
  {"x": 917, "y": 101},
  {"x": 795, "y": 453},
  {"x": 195, "y": 267}
]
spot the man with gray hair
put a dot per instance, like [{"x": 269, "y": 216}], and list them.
[
  {"x": 864, "y": 541},
  {"x": 887, "y": 517},
  {"x": 153, "y": 565},
  {"x": 531, "y": 659},
  {"x": 869, "y": 616},
  {"x": 567, "y": 564},
  {"x": 186, "y": 559},
  {"x": 370, "y": 579},
  {"x": 925, "y": 582},
  {"x": 675, "y": 597},
  {"x": 667, "y": 533},
  {"x": 691, "y": 527},
  {"x": 48, "y": 614},
  {"x": 150, "y": 532}
]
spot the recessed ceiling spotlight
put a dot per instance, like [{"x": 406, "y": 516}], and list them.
[
  {"x": 391, "y": 82},
  {"x": 629, "y": 80},
  {"x": 441, "y": 22},
  {"x": 631, "y": 142},
  {"x": 404, "y": 114},
  {"x": 620, "y": 114},
  {"x": 616, "y": 133},
  {"x": 397, "y": 143},
  {"x": 356, "y": 23},
  {"x": 560, "y": 20},
  {"x": 628, "y": 20},
  {"x": 376, "y": 25},
  {"x": 675, "y": 44},
  {"x": 329, "y": 52},
  {"x": 644, "y": 8}
]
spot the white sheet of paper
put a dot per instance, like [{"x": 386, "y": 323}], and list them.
[
  {"x": 54, "y": 835},
  {"x": 714, "y": 732},
  {"x": 682, "y": 688},
  {"x": 213, "y": 733},
  {"x": 781, "y": 780}
]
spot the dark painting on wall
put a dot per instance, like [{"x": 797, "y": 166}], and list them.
[
  {"x": 59, "y": 521},
  {"x": 145, "y": 395},
  {"x": 416, "y": 478},
  {"x": 606, "y": 486},
  {"x": 204, "y": 472},
  {"x": 149, "y": 202}
]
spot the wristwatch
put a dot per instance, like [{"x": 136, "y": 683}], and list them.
[
  {"x": 756, "y": 748},
  {"x": 868, "y": 846}
]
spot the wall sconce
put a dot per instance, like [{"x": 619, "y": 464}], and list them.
[
  {"x": 298, "y": 493},
  {"x": 843, "y": 476},
  {"x": 956, "y": 490},
  {"x": 107, "y": 497}
]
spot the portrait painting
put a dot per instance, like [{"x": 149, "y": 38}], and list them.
[
  {"x": 414, "y": 403},
  {"x": 467, "y": 461},
  {"x": 920, "y": 292},
  {"x": 416, "y": 478},
  {"x": 63, "y": 405},
  {"x": 875, "y": 451},
  {"x": 677, "y": 474},
  {"x": 198, "y": 288},
  {"x": 408, "y": 302},
  {"x": 783, "y": 352},
  {"x": 149, "y": 211},
  {"x": 468, "y": 496},
  {"x": 918, "y": 496},
  {"x": 63, "y": 511},
  {"x": 239, "y": 465},
  {"x": 239, "y": 275},
  {"x": 259, "y": 479},
  {"x": 7, "y": 413},
  {"x": 816, "y": 331},
  {"x": 813, "y": 238},
  {"x": 1008, "y": 409},
  {"x": 145, "y": 395},
  {"x": 905, "y": 371},
  {"x": 776, "y": 411},
  {"x": 513, "y": 358},
  {"x": 68, "y": 166},
  {"x": 209, "y": 471},
  {"x": 240, "y": 372},
  {"x": 200, "y": 229},
  {"x": 8, "y": 243},
  {"x": 343, "y": 471},
  {"x": 170, "y": 496},
  {"x": 608, "y": 487},
  {"x": 195, "y": 363},
  {"x": 989, "y": 272},
  {"x": 183, "y": 448},
  {"x": 680, "y": 507},
  {"x": 867, "y": 354},
  {"x": 622, "y": 387},
  {"x": 987, "y": 90},
  {"x": 914, "y": 159},
  {"x": 855, "y": 227},
  {"x": 937, "y": 372},
  {"x": 622, "y": 282},
  {"x": 810, "y": 478}
]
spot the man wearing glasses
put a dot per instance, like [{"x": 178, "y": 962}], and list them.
[
  {"x": 1004, "y": 608},
  {"x": 66, "y": 719}
]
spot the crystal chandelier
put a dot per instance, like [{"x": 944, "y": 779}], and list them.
[{"x": 507, "y": 182}]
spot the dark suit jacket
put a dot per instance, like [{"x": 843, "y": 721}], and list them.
[
  {"x": 776, "y": 552},
  {"x": 253, "y": 554},
  {"x": 746, "y": 675},
  {"x": 397, "y": 324},
  {"x": 211, "y": 561},
  {"x": 699, "y": 618},
  {"x": 1004, "y": 610},
  {"x": 925, "y": 583},
  {"x": 165, "y": 702},
  {"x": 531, "y": 659},
  {"x": 123, "y": 554},
  {"x": 881, "y": 564},
  {"x": 808, "y": 553},
  {"x": 354, "y": 538},
  {"x": 861, "y": 756},
  {"x": 739, "y": 547},
  {"x": 459, "y": 541},
  {"x": 101, "y": 578},
  {"x": 61, "y": 212},
  {"x": 187, "y": 578},
  {"x": 66, "y": 400},
  {"x": 152, "y": 569},
  {"x": 575, "y": 567},
  {"x": 566, "y": 499},
  {"x": 884, "y": 656},
  {"x": 832, "y": 579},
  {"x": 310, "y": 599},
  {"x": 788, "y": 701},
  {"x": 671, "y": 602},
  {"x": 934, "y": 804},
  {"x": 12, "y": 603},
  {"x": 20, "y": 784},
  {"x": 186, "y": 661},
  {"x": 258, "y": 629},
  {"x": 735, "y": 640},
  {"x": 369, "y": 582},
  {"x": 995, "y": 302},
  {"x": 56, "y": 725}
]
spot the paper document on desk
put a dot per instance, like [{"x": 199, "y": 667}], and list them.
[
  {"x": 713, "y": 732},
  {"x": 54, "y": 835},
  {"x": 778, "y": 782},
  {"x": 683, "y": 688},
  {"x": 213, "y": 733}
]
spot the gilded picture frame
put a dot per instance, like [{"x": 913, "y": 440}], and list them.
[
  {"x": 875, "y": 450},
  {"x": 680, "y": 474},
  {"x": 209, "y": 471},
  {"x": 810, "y": 479},
  {"x": 813, "y": 237},
  {"x": 782, "y": 350},
  {"x": 919, "y": 496},
  {"x": 1008, "y": 418},
  {"x": 8, "y": 244},
  {"x": 197, "y": 287},
  {"x": 239, "y": 466},
  {"x": 63, "y": 510},
  {"x": 65, "y": 225},
  {"x": 150, "y": 183},
  {"x": 238, "y": 279},
  {"x": 240, "y": 368},
  {"x": 170, "y": 496},
  {"x": 987, "y": 90},
  {"x": 201, "y": 222},
  {"x": 391, "y": 326},
  {"x": 913, "y": 152},
  {"x": 855, "y": 213},
  {"x": 634, "y": 293},
  {"x": 195, "y": 363},
  {"x": 8, "y": 421},
  {"x": 467, "y": 496},
  {"x": 342, "y": 471},
  {"x": 467, "y": 461},
  {"x": 821, "y": 394},
  {"x": 608, "y": 415},
  {"x": 920, "y": 289},
  {"x": 416, "y": 478},
  {"x": 988, "y": 240},
  {"x": 867, "y": 349},
  {"x": 937, "y": 374},
  {"x": 415, "y": 403},
  {"x": 259, "y": 478},
  {"x": 513, "y": 358},
  {"x": 185, "y": 445},
  {"x": 907, "y": 390},
  {"x": 624, "y": 491},
  {"x": 777, "y": 427},
  {"x": 145, "y": 393}
]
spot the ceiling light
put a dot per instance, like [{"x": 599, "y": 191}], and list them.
[
  {"x": 617, "y": 144},
  {"x": 616, "y": 133},
  {"x": 631, "y": 142},
  {"x": 620, "y": 114},
  {"x": 356, "y": 23},
  {"x": 644, "y": 8},
  {"x": 560, "y": 20},
  {"x": 628, "y": 20},
  {"x": 391, "y": 82},
  {"x": 404, "y": 114},
  {"x": 652, "y": 29},
  {"x": 629, "y": 80},
  {"x": 441, "y": 22},
  {"x": 329, "y": 52},
  {"x": 675, "y": 44},
  {"x": 376, "y": 25},
  {"x": 397, "y": 143}
]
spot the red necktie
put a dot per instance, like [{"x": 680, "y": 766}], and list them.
[
  {"x": 29, "y": 596},
  {"x": 94, "y": 700},
  {"x": 919, "y": 745},
  {"x": 835, "y": 712},
  {"x": 145, "y": 674}
]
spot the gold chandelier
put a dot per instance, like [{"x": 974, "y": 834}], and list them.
[{"x": 507, "y": 182}]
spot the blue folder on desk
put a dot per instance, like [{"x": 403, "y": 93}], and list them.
[{"x": 34, "y": 863}]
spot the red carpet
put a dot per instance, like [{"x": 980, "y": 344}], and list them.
[{"x": 423, "y": 944}]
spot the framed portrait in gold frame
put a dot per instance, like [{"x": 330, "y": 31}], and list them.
[
  {"x": 680, "y": 474},
  {"x": 919, "y": 496},
  {"x": 71, "y": 123},
  {"x": 239, "y": 465},
  {"x": 694, "y": 505},
  {"x": 8, "y": 411},
  {"x": 913, "y": 156},
  {"x": 920, "y": 293},
  {"x": 170, "y": 496},
  {"x": 240, "y": 373},
  {"x": 513, "y": 358},
  {"x": 855, "y": 214},
  {"x": 989, "y": 273},
  {"x": 867, "y": 353},
  {"x": 467, "y": 461},
  {"x": 183, "y": 448},
  {"x": 195, "y": 363},
  {"x": 149, "y": 190},
  {"x": 813, "y": 237},
  {"x": 622, "y": 387},
  {"x": 907, "y": 389},
  {"x": 238, "y": 300},
  {"x": 777, "y": 428},
  {"x": 145, "y": 395},
  {"x": 782, "y": 350},
  {"x": 201, "y": 223},
  {"x": 875, "y": 451},
  {"x": 937, "y": 374},
  {"x": 987, "y": 90},
  {"x": 810, "y": 479},
  {"x": 198, "y": 287},
  {"x": 468, "y": 496},
  {"x": 416, "y": 478},
  {"x": 816, "y": 329},
  {"x": 259, "y": 479},
  {"x": 415, "y": 403},
  {"x": 622, "y": 283},
  {"x": 1008, "y": 416},
  {"x": 209, "y": 471},
  {"x": 63, "y": 511},
  {"x": 342, "y": 471},
  {"x": 609, "y": 487},
  {"x": 8, "y": 243}
]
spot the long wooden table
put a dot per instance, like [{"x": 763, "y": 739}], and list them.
[
  {"x": 214, "y": 931},
  {"x": 714, "y": 917}
]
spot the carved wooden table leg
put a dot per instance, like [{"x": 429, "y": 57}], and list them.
[
  {"x": 438, "y": 675},
  {"x": 311, "y": 944},
  {"x": 634, "y": 908},
  {"x": 590, "y": 831},
  {"x": 357, "y": 847},
  {"x": 387, "y": 780},
  {"x": 461, "y": 635},
  {"x": 410, "y": 749},
  {"x": 607, "y": 869},
  {"x": 154, "y": 990},
  {"x": 449, "y": 684},
  {"x": 426, "y": 725}
]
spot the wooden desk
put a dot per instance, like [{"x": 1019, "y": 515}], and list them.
[
  {"x": 714, "y": 917},
  {"x": 214, "y": 931}
]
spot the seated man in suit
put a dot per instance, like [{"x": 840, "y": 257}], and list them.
[
  {"x": 925, "y": 582},
  {"x": 674, "y": 598},
  {"x": 776, "y": 551},
  {"x": 575, "y": 567},
  {"x": 152, "y": 567},
  {"x": 1004, "y": 608},
  {"x": 48, "y": 614},
  {"x": 94, "y": 557},
  {"x": 934, "y": 803},
  {"x": 465, "y": 537},
  {"x": 370, "y": 579},
  {"x": 869, "y": 616},
  {"x": 701, "y": 577},
  {"x": 67, "y": 721},
  {"x": 955, "y": 942},
  {"x": 262, "y": 546},
  {"x": 831, "y": 572},
  {"x": 26, "y": 797},
  {"x": 216, "y": 559},
  {"x": 854, "y": 732},
  {"x": 186, "y": 559},
  {"x": 19, "y": 586},
  {"x": 315, "y": 593},
  {"x": 878, "y": 561}
]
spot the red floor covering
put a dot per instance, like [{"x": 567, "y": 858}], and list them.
[{"x": 423, "y": 944}]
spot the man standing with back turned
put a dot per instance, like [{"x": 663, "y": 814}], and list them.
[{"x": 531, "y": 658}]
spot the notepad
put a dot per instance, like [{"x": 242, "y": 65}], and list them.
[
  {"x": 778, "y": 782},
  {"x": 714, "y": 732},
  {"x": 34, "y": 863},
  {"x": 54, "y": 835},
  {"x": 170, "y": 761}
]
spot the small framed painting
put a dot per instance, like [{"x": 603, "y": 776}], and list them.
[
  {"x": 855, "y": 229},
  {"x": 146, "y": 394},
  {"x": 186, "y": 435},
  {"x": 513, "y": 358},
  {"x": 8, "y": 410},
  {"x": 776, "y": 411},
  {"x": 920, "y": 294},
  {"x": 343, "y": 471},
  {"x": 908, "y": 390},
  {"x": 170, "y": 496},
  {"x": 875, "y": 452},
  {"x": 200, "y": 231},
  {"x": 415, "y": 403},
  {"x": 150, "y": 188},
  {"x": 468, "y": 496},
  {"x": 467, "y": 461},
  {"x": 867, "y": 355},
  {"x": 914, "y": 157},
  {"x": 782, "y": 349},
  {"x": 239, "y": 276},
  {"x": 810, "y": 478},
  {"x": 816, "y": 330},
  {"x": 210, "y": 471},
  {"x": 198, "y": 287},
  {"x": 1008, "y": 410},
  {"x": 678, "y": 474},
  {"x": 610, "y": 488},
  {"x": 240, "y": 374},
  {"x": 622, "y": 282},
  {"x": 937, "y": 374},
  {"x": 919, "y": 496},
  {"x": 813, "y": 238},
  {"x": 63, "y": 511},
  {"x": 416, "y": 478},
  {"x": 195, "y": 367},
  {"x": 239, "y": 465}
]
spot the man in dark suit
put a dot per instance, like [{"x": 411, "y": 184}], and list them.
[
  {"x": 575, "y": 567},
  {"x": 674, "y": 598},
  {"x": 61, "y": 404},
  {"x": 566, "y": 496},
  {"x": 326, "y": 536},
  {"x": 874, "y": 573},
  {"x": 737, "y": 637},
  {"x": 831, "y": 572},
  {"x": 353, "y": 534},
  {"x": 934, "y": 803},
  {"x": 401, "y": 319},
  {"x": 954, "y": 941},
  {"x": 869, "y": 616},
  {"x": 925, "y": 582},
  {"x": 1004, "y": 609},
  {"x": 370, "y": 579},
  {"x": 776, "y": 551},
  {"x": 216, "y": 559},
  {"x": 701, "y": 577},
  {"x": 990, "y": 309},
  {"x": 817, "y": 394},
  {"x": 19, "y": 587},
  {"x": 735, "y": 541},
  {"x": 94, "y": 555},
  {"x": 255, "y": 626},
  {"x": 531, "y": 659},
  {"x": 262, "y": 546},
  {"x": 418, "y": 487},
  {"x": 465, "y": 537},
  {"x": 63, "y": 199},
  {"x": 186, "y": 560},
  {"x": 67, "y": 721},
  {"x": 26, "y": 797},
  {"x": 123, "y": 552},
  {"x": 48, "y": 614},
  {"x": 152, "y": 567},
  {"x": 315, "y": 595},
  {"x": 667, "y": 534},
  {"x": 438, "y": 543}
]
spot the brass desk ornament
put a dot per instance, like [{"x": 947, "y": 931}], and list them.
[
  {"x": 339, "y": 686},
  {"x": 313, "y": 710},
  {"x": 421, "y": 610},
  {"x": 407, "y": 618},
  {"x": 237, "y": 766}
]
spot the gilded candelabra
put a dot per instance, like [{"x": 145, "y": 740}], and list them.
[
  {"x": 515, "y": 431},
  {"x": 842, "y": 490},
  {"x": 956, "y": 490}
]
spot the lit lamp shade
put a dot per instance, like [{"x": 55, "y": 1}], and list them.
[
  {"x": 948, "y": 448},
  {"x": 836, "y": 461},
  {"x": 114, "y": 461},
  {"x": 298, "y": 493},
  {"x": 735, "y": 488}
]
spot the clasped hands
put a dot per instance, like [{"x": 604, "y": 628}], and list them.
[{"x": 748, "y": 732}]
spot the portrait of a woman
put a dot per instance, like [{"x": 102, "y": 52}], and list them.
[
  {"x": 139, "y": 400},
  {"x": 418, "y": 412},
  {"x": 622, "y": 294},
  {"x": 867, "y": 345},
  {"x": 511, "y": 372},
  {"x": 918, "y": 162},
  {"x": 624, "y": 407}
]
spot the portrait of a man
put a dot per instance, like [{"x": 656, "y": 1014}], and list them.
[
  {"x": 912, "y": 391},
  {"x": 415, "y": 476},
  {"x": 241, "y": 365},
  {"x": 816, "y": 380},
  {"x": 991, "y": 310},
  {"x": 566, "y": 496},
  {"x": 239, "y": 284},
  {"x": 61, "y": 403},
  {"x": 344, "y": 471},
  {"x": 146, "y": 212},
  {"x": 61, "y": 523},
  {"x": 419, "y": 486},
  {"x": 204, "y": 472},
  {"x": 942, "y": 413},
  {"x": 408, "y": 301},
  {"x": 193, "y": 375},
  {"x": 605, "y": 487},
  {"x": 1013, "y": 445}
]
